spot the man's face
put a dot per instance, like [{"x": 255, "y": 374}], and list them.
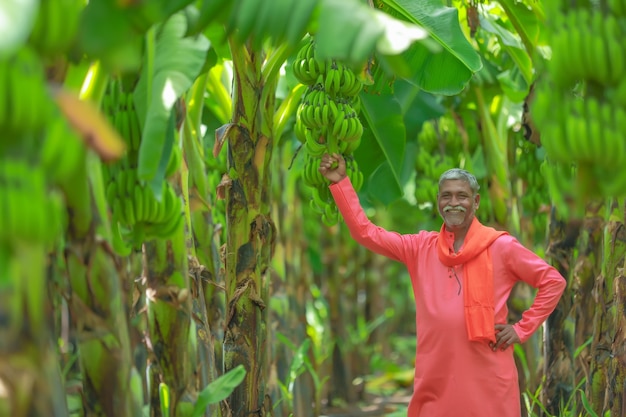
[{"x": 457, "y": 204}]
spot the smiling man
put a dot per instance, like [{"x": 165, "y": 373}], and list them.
[{"x": 462, "y": 276}]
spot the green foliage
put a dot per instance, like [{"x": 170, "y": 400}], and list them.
[
  {"x": 532, "y": 189},
  {"x": 300, "y": 363},
  {"x": 173, "y": 62},
  {"x": 442, "y": 146},
  {"x": 218, "y": 390},
  {"x": 446, "y": 72},
  {"x": 386, "y": 133}
]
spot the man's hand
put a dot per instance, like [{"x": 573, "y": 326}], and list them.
[
  {"x": 505, "y": 337},
  {"x": 333, "y": 167}
]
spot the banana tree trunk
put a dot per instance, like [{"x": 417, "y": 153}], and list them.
[
  {"x": 171, "y": 339},
  {"x": 559, "y": 361},
  {"x": 587, "y": 269},
  {"x": 208, "y": 303},
  {"x": 250, "y": 230},
  {"x": 608, "y": 351},
  {"x": 30, "y": 381},
  {"x": 98, "y": 308},
  {"x": 617, "y": 390}
]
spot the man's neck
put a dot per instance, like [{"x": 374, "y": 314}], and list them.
[
  {"x": 458, "y": 242},
  {"x": 459, "y": 238}
]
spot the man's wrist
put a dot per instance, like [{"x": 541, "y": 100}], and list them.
[{"x": 343, "y": 177}]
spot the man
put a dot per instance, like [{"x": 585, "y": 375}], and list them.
[{"x": 461, "y": 277}]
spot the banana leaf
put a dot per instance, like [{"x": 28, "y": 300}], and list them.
[{"x": 173, "y": 63}]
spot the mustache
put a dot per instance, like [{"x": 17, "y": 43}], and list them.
[{"x": 448, "y": 208}]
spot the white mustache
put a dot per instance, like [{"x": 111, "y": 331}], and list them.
[{"x": 447, "y": 208}]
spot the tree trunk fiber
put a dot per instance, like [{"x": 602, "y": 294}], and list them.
[
  {"x": 171, "y": 340},
  {"x": 605, "y": 385},
  {"x": 98, "y": 310},
  {"x": 207, "y": 299},
  {"x": 250, "y": 233},
  {"x": 30, "y": 381},
  {"x": 559, "y": 344}
]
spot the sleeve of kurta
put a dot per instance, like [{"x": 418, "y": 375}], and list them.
[
  {"x": 550, "y": 284},
  {"x": 362, "y": 230}
]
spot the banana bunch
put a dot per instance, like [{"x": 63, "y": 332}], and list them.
[
  {"x": 617, "y": 95},
  {"x": 534, "y": 191},
  {"x": 56, "y": 26},
  {"x": 320, "y": 116},
  {"x": 322, "y": 201},
  {"x": 305, "y": 67},
  {"x": 428, "y": 138},
  {"x": 341, "y": 81},
  {"x": 353, "y": 172},
  {"x": 337, "y": 79},
  {"x": 136, "y": 208},
  {"x": 588, "y": 130},
  {"x": 119, "y": 106},
  {"x": 560, "y": 180},
  {"x": 587, "y": 45},
  {"x": 316, "y": 108},
  {"x": 617, "y": 7},
  {"x": 327, "y": 121},
  {"x": 426, "y": 163},
  {"x": 438, "y": 141},
  {"x": 25, "y": 105},
  {"x": 134, "y": 205},
  {"x": 442, "y": 135},
  {"x": 426, "y": 192},
  {"x": 62, "y": 151},
  {"x": 311, "y": 174},
  {"x": 28, "y": 211},
  {"x": 579, "y": 106},
  {"x": 323, "y": 204}
]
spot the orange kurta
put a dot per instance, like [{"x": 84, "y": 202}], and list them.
[{"x": 453, "y": 376}]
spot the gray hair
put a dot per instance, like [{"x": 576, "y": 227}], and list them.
[{"x": 460, "y": 174}]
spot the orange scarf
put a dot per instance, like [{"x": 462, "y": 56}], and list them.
[{"x": 478, "y": 293}]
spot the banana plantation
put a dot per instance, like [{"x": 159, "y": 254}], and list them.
[{"x": 169, "y": 248}]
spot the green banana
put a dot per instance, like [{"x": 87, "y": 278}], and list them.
[
  {"x": 311, "y": 144},
  {"x": 138, "y": 207}
]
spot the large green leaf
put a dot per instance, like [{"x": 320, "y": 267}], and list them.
[
  {"x": 512, "y": 45},
  {"x": 350, "y": 31},
  {"x": 386, "y": 124},
  {"x": 175, "y": 64},
  {"x": 526, "y": 20},
  {"x": 107, "y": 33},
  {"x": 448, "y": 71}
]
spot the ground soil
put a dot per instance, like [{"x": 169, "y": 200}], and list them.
[{"x": 373, "y": 406}]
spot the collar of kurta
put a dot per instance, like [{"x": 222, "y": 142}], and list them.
[{"x": 478, "y": 292}]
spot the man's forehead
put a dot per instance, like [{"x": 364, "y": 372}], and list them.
[{"x": 455, "y": 184}]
